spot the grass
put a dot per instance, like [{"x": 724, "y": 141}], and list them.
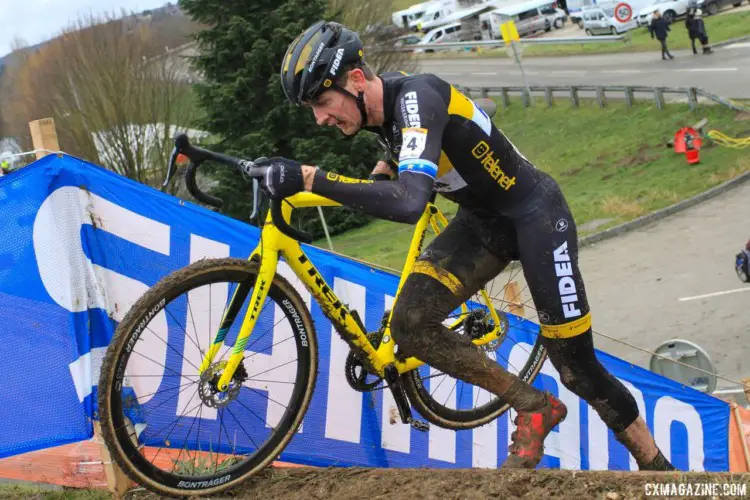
[
  {"x": 719, "y": 28},
  {"x": 611, "y": 163}
]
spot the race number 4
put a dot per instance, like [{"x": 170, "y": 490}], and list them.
[{"x": 413, "y": 143}]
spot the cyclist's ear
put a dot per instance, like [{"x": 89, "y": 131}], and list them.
[{"x": 357, "y": 79}]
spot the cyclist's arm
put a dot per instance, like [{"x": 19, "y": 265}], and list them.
[{"x": 401, "y": 200}]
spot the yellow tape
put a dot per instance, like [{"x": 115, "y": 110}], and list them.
[
  {"x": 729, "y": 142},
  {"x": 567, "y": 330},
  {"x": 446, "y": 278}
]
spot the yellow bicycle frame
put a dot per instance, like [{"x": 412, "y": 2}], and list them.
[{"x": 274, "y": 244}]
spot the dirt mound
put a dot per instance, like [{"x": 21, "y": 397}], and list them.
[{"x": 417, "y": 484}]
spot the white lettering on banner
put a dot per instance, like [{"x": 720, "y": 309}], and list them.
[
  {"x": 276, "y": 362},
  {"x": 484, "y": 438},
  {"x": 640, "y": 401},
  {"x": 77, "y": 284},
  {"x": 566, "y": 442},
  {"x": 344, "y": 407},
  {"x": 442, "y": 442},
  {"x": 206, "y": 321},
  {"x": 397, "y": 436},
  {"x": 599, "y": 440},
  {"x": 669, "y": 410}
]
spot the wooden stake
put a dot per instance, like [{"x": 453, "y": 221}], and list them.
[
  {"x": 512, "y": 297},
  {"x": 117, "y": 481},
  {"x": 44, "y": 136}
]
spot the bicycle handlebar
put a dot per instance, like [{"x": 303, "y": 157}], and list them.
[{"x": 198, "y": 155}]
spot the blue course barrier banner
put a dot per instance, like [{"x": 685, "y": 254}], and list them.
[{"x": 81, "y": 244}]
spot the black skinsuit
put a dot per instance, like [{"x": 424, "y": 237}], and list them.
[{"x": 441, "y": 141}]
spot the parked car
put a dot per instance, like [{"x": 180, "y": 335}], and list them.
[
  {"x": 669, "y": 10},
  {"x": 555, "y": 17},
  {"x": 405, "y": 40},
  {"x": 447, "y": 33},
  {"x": 601, "y": 21},
  {"x": 712, "y": 7}
]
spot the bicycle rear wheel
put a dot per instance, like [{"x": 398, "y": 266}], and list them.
[
  {"x": 164, "y": 422},
  {"x": 453, "y": 404}
]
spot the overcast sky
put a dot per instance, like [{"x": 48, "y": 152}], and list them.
[{"x": 37, "y": 20}]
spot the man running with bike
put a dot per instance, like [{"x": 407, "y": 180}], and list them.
[{"x": 439, "y": 140}]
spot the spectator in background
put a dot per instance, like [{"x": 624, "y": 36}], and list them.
[
  {"x": 659, "y": 29},
  {"x": 697, "y": 29}
]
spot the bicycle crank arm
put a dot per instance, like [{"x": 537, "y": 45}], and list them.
[{"x": 393, "y": 379}]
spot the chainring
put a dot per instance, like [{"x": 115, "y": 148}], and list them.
[{"x": 357, "y": 372}]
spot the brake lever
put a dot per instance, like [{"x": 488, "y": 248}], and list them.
[
  {"x": 256, "y": 194},
  {"x": 170, "y": 168}
]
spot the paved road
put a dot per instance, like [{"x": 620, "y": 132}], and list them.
[
  {"x": 726, "y": 72},
  {"x": 635, "y": 282}
]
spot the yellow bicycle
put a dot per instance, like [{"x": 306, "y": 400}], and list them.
[{"x": 248, "y": 386}]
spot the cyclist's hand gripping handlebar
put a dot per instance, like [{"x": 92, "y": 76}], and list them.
[{"x": 198, "y": 155}]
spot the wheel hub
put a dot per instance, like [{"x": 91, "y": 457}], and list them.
[{"x": 208, "y": 389}]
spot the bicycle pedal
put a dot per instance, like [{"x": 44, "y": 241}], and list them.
[{"x": 420, "y": 425}]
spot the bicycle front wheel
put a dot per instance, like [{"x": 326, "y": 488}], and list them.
[{"x": 164, "y": 421}]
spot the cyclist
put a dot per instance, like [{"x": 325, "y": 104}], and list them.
[{"x": 439, "y": 140}]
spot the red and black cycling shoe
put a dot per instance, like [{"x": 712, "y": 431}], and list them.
[{"x": 532, "y": 428}]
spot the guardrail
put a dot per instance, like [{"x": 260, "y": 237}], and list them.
[
  {"x": 625, "y": 38},
  {"x": 628, "y": 92}
]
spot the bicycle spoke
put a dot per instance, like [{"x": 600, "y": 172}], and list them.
[
  {"x": 195, "y": 328},
  {"x": 184, "y": 447},
  {"x": 270, "y": 369},
  {"x": 173, "y": 348},
  {"x": 255, "y": 353},
  {"x": 269, "y": 398},
  {"x": 239, "y": 424}
]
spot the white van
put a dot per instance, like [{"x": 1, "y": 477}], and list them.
[
  {"x": 529, "y": 17},
  {"x": 403, "y": 18},
  {"x": 447, "y": 33},
  {"x": 439, "y": 9}
]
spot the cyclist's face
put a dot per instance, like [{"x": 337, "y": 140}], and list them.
[{"x": 333, "y": 108}]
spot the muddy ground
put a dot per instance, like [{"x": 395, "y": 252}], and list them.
[{"x": 418, "y": 484}]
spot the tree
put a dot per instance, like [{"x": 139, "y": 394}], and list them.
[
  {"x": 113, "y": 102},
  {"x": 240, "y": 54}
]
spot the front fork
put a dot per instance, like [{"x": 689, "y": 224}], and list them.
[{"x": 268, "y": 263}]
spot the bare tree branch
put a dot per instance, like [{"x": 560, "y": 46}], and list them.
[
  {"x": 114, "y": 103},
  {"x": 372, "y": 20}
]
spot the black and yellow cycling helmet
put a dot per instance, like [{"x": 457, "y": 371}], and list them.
[{"x": 316, "y": 59}]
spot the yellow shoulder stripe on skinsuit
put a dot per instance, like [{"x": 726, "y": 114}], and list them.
[
  {"x": 460, "y": 105},
  {"x": 464, "y": 107},
  {"x": 447, "y": 278},
  {"x": 567, "y": 330}
]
